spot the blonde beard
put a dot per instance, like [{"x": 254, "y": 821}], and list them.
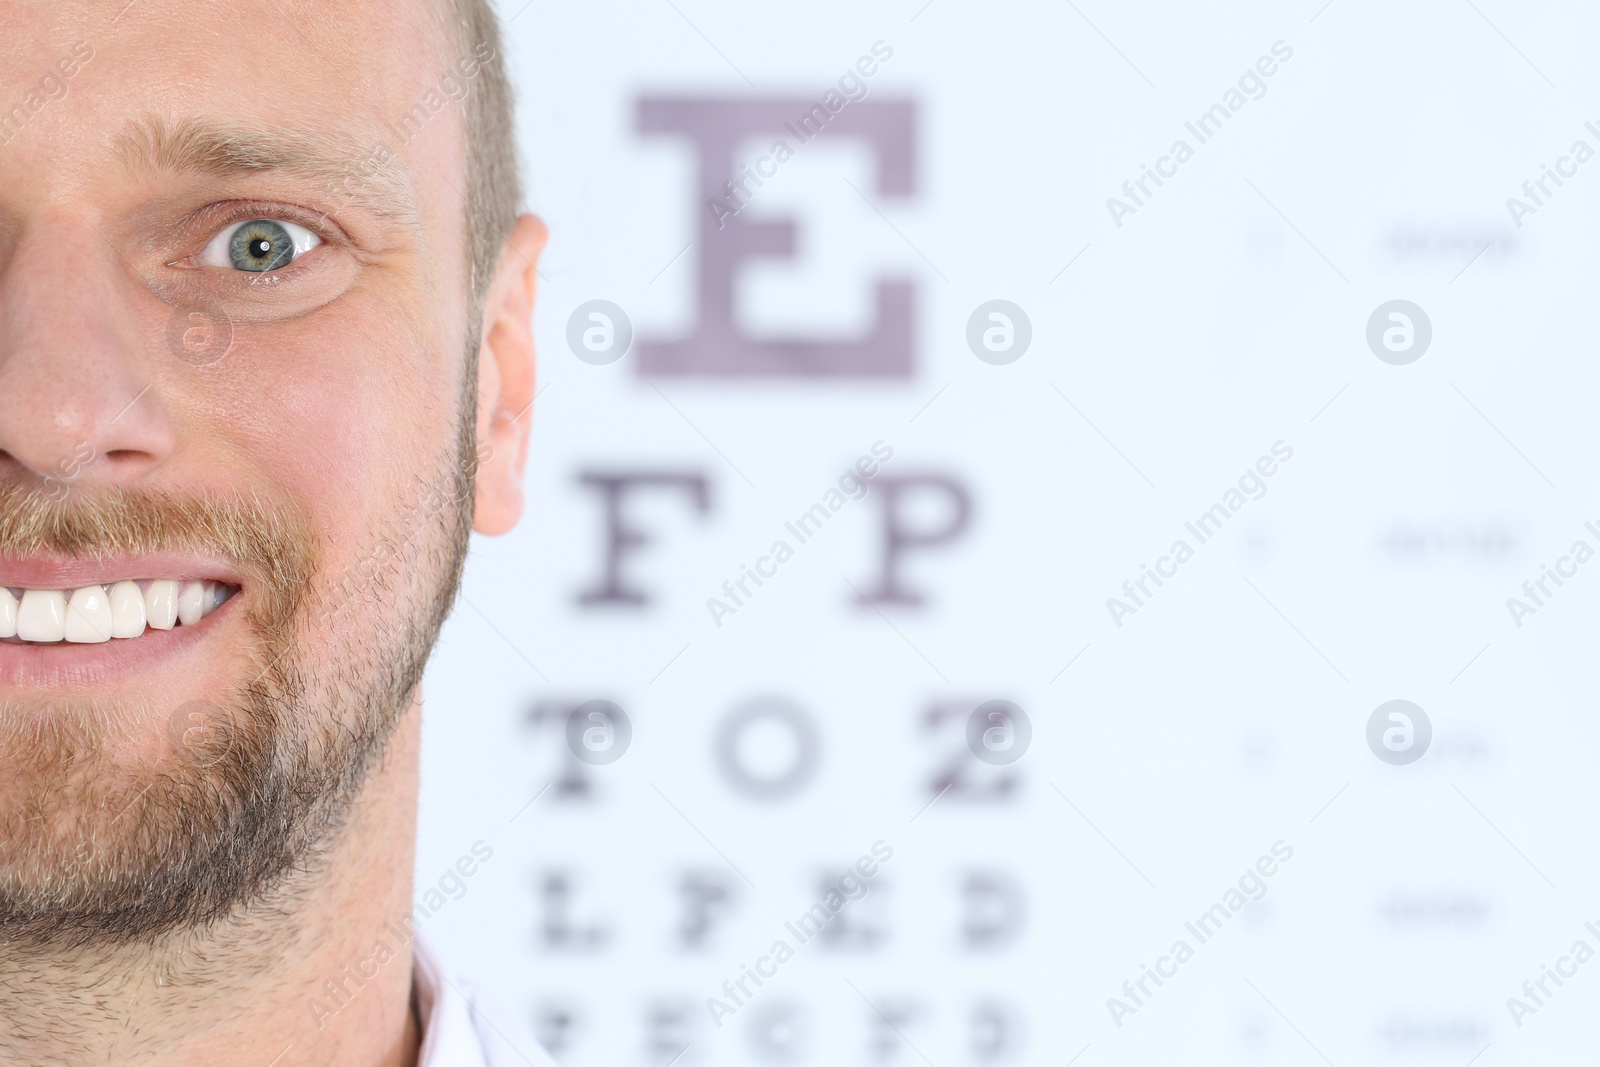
[{"x": 122, "y": 824}]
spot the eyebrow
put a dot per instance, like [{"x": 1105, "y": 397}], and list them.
[{"x": 343, "y": 169}]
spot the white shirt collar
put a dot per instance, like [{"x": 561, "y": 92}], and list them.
[{"x": 460, "y": 1026}]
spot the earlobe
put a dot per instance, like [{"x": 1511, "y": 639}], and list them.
[{"x": 506, "y": 380}]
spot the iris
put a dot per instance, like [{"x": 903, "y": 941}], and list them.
[{"x": 260, "y": 245}]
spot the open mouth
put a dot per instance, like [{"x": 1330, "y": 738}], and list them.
[{"x": 95, "y": 614}]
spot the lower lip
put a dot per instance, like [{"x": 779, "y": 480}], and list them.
[{"x": 65, "y": 665}]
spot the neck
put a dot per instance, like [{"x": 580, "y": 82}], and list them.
[{"x": 320, "y": 974}]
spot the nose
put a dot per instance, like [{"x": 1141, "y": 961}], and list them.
[{"x": 78, "y": 396}]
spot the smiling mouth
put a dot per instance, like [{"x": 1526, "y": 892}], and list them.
[{"x": 96, "y": 614}]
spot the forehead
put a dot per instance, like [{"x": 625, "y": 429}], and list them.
[
  {"x": 335, "y": 58},
  {"x": 351, "y": 69}
]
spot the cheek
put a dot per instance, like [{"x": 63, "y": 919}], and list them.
[{"x": 349, "y": 415}]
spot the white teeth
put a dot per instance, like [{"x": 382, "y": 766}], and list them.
[
  {"x": 192, "y": 603},
  {"x": 88, "y": 616},
  {"x": 94, "y": 614},
  {"x": 161, "y": 604},
  {"x": 127, "y": 610},
  {"x": 42, "y": 616}
]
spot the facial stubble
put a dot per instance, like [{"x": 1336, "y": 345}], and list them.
[{"x": 233, "y": 795}]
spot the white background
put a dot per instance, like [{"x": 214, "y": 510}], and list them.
[{"x": 1227, "y": 314}]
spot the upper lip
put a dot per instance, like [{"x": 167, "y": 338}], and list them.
[{"x": 68, "y": 572}]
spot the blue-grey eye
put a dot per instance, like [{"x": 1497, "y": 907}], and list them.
[{"x": 258, "y": 245}]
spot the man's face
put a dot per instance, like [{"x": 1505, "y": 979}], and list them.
[{"x": 233, "y": 317}]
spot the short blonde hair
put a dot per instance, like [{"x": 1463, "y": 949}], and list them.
[{"x": 493, "y": 175}]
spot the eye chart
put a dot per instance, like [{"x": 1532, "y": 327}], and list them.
[{"x": 1054, "y": 535}]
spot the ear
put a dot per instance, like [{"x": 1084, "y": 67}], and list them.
[{"x": 506, "y": 379}]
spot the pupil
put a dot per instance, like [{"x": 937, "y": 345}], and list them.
[{"x": 260, "y": 247}]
